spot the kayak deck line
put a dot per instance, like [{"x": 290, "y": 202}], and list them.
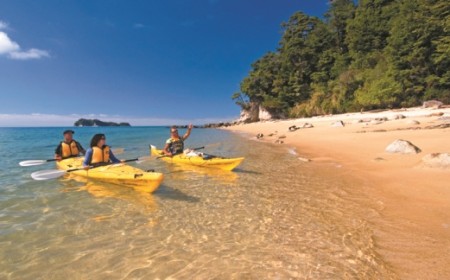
[{"x": 210, "y": 161}]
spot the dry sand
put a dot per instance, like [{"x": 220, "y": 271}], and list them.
[{"x": 413, "y": 234}]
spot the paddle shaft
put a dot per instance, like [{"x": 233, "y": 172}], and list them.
[{"x": 43, "y": 161}]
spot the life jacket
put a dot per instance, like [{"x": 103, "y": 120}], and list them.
[
  {"x": 176, "y": 146},
  {"x": 69, "y": 150},
  {"x": 100, "y": 155}
]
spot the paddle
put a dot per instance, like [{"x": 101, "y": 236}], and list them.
[
  {"x": 55, "y": 173},
  {"x": 34, "y": 162}
]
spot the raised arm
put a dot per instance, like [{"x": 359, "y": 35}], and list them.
[{"x": 188, "y": 132}]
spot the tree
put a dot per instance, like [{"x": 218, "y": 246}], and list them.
[
  {"x": 419, "y": 48},
  {"x": 340, "y": 14},
  {"x": 368, "y": 32},
  {"x": 377, "y": 54},
  {"x": 304, "y": 40}
]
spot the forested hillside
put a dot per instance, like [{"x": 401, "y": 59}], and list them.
[{"x": 370, "y": 55}]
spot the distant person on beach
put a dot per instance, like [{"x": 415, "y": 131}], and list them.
[
  {"x": 68, "y": 147},
  {"x": 99, "y": 153},
  {"x": 175, "y": 144}
]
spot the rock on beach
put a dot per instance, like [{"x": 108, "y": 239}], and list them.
[{"x": 402, "y": 147}]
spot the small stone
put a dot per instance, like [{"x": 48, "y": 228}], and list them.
[
  {"x": 413, "y": 122},
  {"x": 438, "y": 114},
  {"x": 338, "y": 124},
  {"x": 440, "y": 160},
  {"x": 397, "y": 117}
]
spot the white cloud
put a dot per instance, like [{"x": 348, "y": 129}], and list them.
[
  {"x": 40, "y": 120},
  {"x": 138, "y": 25},
  {"x": 30, "y": 54},
  {"x": 7, "y": 45},
  {"x": 13, "y": 50}
]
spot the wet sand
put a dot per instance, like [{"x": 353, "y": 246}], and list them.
[{"x": 413, "y": 232}]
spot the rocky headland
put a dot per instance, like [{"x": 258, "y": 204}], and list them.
[{"x": 96, "y": 122}]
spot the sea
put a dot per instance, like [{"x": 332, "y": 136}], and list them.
[{"x": 273, "y": 217}]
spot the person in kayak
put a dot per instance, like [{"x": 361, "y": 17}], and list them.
[
  {"x": 175, "y": 144},
  {"x": 68, "y": 147},
  {"x": 99, "y": 153}
]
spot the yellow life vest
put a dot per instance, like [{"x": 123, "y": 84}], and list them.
[
  {"x": 69, "y": 150},
  {"x": 100, "y": 155}
]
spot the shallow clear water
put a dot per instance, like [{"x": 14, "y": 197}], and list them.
[{"x": 274, "y": 217}]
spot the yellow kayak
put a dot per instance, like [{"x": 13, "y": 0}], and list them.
[
  {"x": 198, "y": 160},
  {"x": 119, "y": 173}
]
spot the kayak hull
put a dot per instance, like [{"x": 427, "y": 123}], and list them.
[
  {"x": 214, "y": 162},
  {"x": 121, "y": 174}
]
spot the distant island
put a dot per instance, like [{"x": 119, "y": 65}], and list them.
[{"x": 95, "y": 122}]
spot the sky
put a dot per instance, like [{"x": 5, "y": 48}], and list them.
[{"x": 143, "y": 62}]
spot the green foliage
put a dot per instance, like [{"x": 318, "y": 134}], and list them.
[
  {"x": 419, "y": 49},
  {"x": 340, "y": 14},
  {"x": 369, "y": 30},
  {"x": 376, "y": 54},
  {"x": 379, "y": 90}
]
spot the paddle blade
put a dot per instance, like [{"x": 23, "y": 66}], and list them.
[
  {"x": 47, "y": 174},
  {"x": 32, "y": 162}
]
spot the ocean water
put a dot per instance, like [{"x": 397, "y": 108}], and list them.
[{"x": 274, "y": 217}]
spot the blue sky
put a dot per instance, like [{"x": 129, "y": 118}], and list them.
[{"x": 146, "y": 62}]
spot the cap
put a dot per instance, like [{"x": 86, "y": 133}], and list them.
[{"x": 69, "y": 130}]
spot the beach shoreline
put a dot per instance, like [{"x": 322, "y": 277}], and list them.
[{"x": 413, "y": 233}]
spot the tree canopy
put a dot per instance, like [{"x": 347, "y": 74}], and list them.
[{"x": 371, "y": 55}]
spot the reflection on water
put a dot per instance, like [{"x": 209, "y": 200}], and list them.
[
  {"x": 273, "y": 218},
  {"x": 187, "y": 172},
  {"x": 114, "y": 191}
]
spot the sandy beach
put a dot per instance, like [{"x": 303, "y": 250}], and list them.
[{"x": 413, "y": 233}]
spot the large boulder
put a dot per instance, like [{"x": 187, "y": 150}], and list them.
[
  {"x": 402, "y": 147},
  {"x": 250, "y": 114},
  {"x": 432, "y": 104},
  {"x": 439, "y": 160},
  {"x": 264, "y": 115},
  {"x": 256, "y": 112}
]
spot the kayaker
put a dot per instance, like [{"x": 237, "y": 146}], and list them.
[
  {"x": 175, "y": 144},
  {"x": 68, "y": 147},
  {"x": 99, "y": 153}
]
